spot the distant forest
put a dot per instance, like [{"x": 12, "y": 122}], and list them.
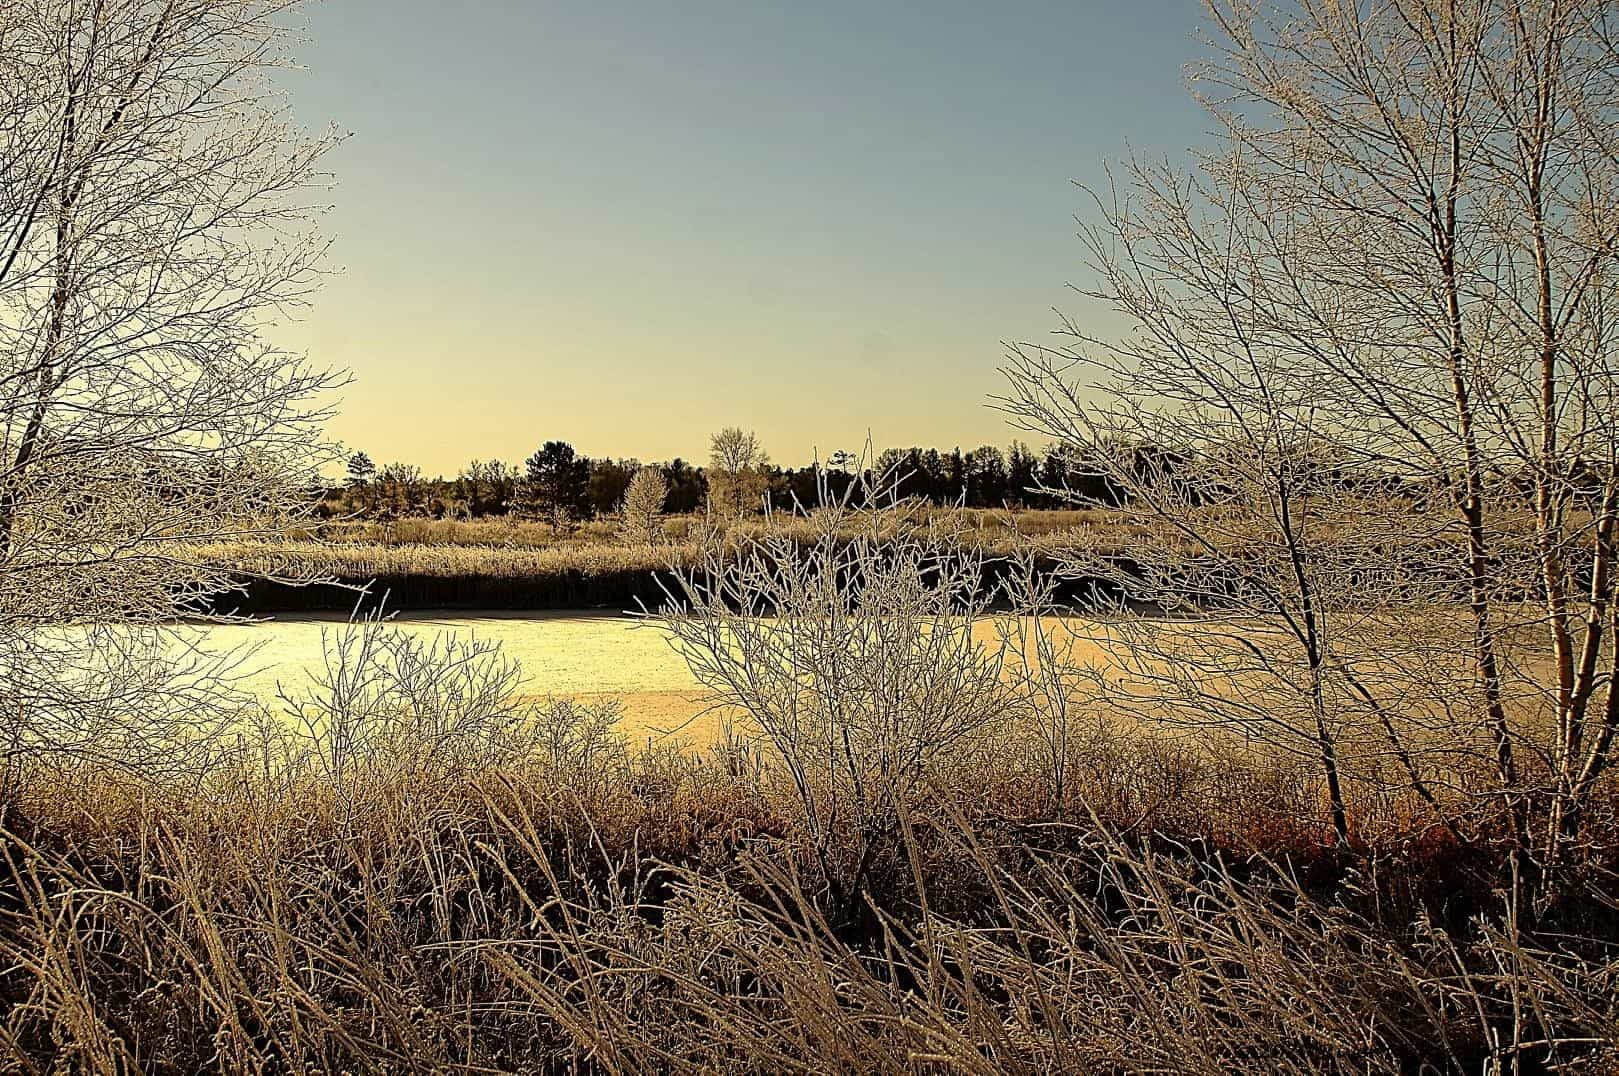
[
  {"x": 986, "y": 477},
  {"x": 558, "y": 484}
]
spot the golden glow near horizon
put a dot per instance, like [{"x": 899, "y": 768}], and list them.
[{"x": 627, "y": 229}]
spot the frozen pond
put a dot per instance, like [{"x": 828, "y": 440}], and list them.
[{"x": 585, "y": 655}]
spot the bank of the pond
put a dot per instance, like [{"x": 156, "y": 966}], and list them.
[
  {"x": 569, "y": 589},
  {"x": 368, "y": 587},
  {"x": 365, "y": 577}
]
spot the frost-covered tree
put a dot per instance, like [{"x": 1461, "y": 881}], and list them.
[
  {"x": 1368, "y": 407},
  {"x": 737, "y": 481},
  {"x": 156, "y": 214},
  {"x": 643, "y": 504}
]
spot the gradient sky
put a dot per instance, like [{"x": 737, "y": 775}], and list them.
[{"x": 626, "y": 225}]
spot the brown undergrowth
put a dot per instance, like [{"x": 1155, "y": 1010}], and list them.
[{"x": 664, "y": 913}]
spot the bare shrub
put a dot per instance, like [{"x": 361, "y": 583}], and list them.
[
  {"x": 388, "y": 702},
  {"x": 852, "y": 654}
]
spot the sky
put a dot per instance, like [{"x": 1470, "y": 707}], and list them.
[{"x": 626, "y": 225}]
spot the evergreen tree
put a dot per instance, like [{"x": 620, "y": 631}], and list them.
[
  {"x": 361, "y": 469},
  {"x": 558, "y": 483}
]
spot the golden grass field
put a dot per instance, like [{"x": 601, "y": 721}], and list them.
[{"x": 517, "y": 548}]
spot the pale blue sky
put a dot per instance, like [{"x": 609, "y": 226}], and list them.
[{"x": 626, "y": 225}]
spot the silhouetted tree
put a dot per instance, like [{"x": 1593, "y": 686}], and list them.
[
  {"x": 986, "y": 477},
  {"x": 558, "y": 483},
  {"x": 987, "y": 488},
  {"x": 1022, "y": 474},
  {"x": 361, "y": 470},
  {"x": 688, "y": 486},
  {"x": 399, "y": 490},
  {"x": 503, "y": 479},
  {"x": 955, "y": 475},
  {"x": 609, "y": 481}
]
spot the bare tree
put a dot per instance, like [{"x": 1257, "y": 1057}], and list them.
[
  {"x": 643, "y": 504},
  {"x": 155, "y": 214},
  {"x": 399, "y": 490},
  {"x": 736, "y": 473},
  {"x": 1392, "y": 276}
]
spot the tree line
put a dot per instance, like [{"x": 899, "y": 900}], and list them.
[{"x": 558, "y": 484}]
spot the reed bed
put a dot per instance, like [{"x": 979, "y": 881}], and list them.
[
  {"x": 512, "y": 563},
  {"x": 516, "y": 531},
  {"x": 514, "y": 548},
  {"x": 360, "y": 561}
]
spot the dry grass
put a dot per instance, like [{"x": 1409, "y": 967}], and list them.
[
  {"x": 430, "y": 872},
  {"x": 516, "y": 532},
  {"x": 362, "y": 561},
  {"x": 664, "y": 915},
  {"x": 515, "y": 548},
  {"x": 520, "y": 563}
]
